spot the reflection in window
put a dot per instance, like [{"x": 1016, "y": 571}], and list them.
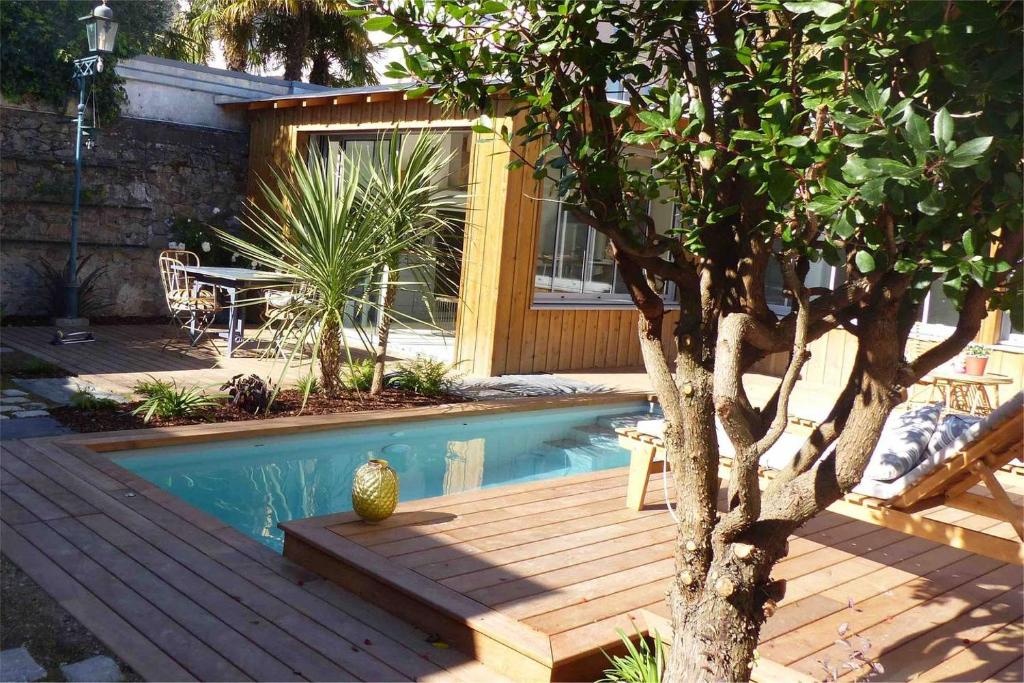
[{"x": 574, "y": 261}]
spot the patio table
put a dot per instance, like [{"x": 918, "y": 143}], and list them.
[{"x": 233, "y": 281}]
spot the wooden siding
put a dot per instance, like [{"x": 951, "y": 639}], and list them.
[
  {"x": 498, "y": 330},
  {"x": 832, "y": 359}
]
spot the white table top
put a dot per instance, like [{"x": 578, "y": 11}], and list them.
[{"x": 237, "y": 274}]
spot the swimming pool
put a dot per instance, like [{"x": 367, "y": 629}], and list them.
[{"x": 254, "y": 483}]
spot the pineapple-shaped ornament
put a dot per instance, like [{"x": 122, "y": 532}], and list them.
[{"x": 375, "y": 491}]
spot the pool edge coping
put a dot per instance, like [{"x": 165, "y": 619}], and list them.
[{"x": 110, "y": 442}]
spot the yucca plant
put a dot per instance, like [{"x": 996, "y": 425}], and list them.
[
  {"x": 174, "y": 401},
  {"x": 643, "y": 663},
  {"x": 333, "y": 235},
  {"x": 407, "y": 184}
]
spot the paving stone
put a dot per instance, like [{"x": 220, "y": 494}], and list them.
[
  {"x": 4, "y": 417},
  {"x": 98, "y": 668},
  {"x": 30, "y": 413},
  {"x": 9, "y": 409},
  {"x": 30, "y": 428},
  {"x": 13, "y": 400},
  {"x": 13, "y": 392},
  {"x": 17, "y": 664},
  {"x": 34, "y": 406},
  {"x": 5, "y": 349},
  {"x": 58, "y": 390}
]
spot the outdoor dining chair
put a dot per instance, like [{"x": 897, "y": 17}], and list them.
[
  {"x": 192, "y": 308},
  {"x": 284, "y": 317}
]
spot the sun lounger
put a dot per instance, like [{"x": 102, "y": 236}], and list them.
[{"x": 943, "y": 475}]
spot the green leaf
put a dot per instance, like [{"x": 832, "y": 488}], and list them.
[
  {"x": 855, "y": 140},
  {"x": 675, "y": 108},
  {"x": 842, "y": 225},
  {"x": 856, "y": 169},
  {"x": 968, "y": 242},
  {"x": 932, "y": 204},
  {"x": 548, "y": 47},
  {"x": 653, "y": 119},
  {"x": 795, "y": 141},
  {"x": 707, "y": 156},
  {"x": 865, "y": 262},
  {"x": 481, "y": 128},
  {"x": 824, "y": 205},
  {"x": 378, "y": 23},
  {"x": 942, "y": 128},
  {"x": 917, "y": 132},
  {"x": 494, "y": 7},
  {"x": 822, "y": 8},
  {"x": 749, "y": 135},
  {"x": 969, "y": 153},
  {"x": 873, "y": 191}
]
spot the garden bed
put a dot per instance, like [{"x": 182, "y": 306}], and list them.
[{"x": 287, "y": 404}]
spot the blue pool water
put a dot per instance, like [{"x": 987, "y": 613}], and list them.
[{"x": 254, "y": 483}]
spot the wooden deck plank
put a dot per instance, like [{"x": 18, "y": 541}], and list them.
[
  {"x": 998, "y": 655},
  {"x": 244, "y": 578},
  {"x": 191, "y": 652},
  {"x": 140, "y": 653},
  {"x": 207, "y": 625},
  {"x": 905, "y": 659},
  {"x": 1014, "y": 673}
]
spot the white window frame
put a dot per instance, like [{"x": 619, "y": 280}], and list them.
[
  {"x": 611, "y": 299},
  {"x": 1007, "y": 337}
]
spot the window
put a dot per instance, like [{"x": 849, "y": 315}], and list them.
[
  {"x": 1010, "y": 335},
  {"x": 574, "y": 261}
]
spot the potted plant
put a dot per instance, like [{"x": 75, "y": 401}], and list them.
[{"x": 976, "y": 358}]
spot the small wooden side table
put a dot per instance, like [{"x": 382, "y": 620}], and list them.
[{"x": 965, "y": 393}]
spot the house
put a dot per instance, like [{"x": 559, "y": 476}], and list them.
[{"x": 537, "y": 291}]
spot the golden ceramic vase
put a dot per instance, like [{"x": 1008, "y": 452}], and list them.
[{"x": 375, "y": 491}]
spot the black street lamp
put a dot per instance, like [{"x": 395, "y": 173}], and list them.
[{"x": 101, "y": 31}]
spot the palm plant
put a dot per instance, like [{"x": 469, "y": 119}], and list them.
[
  {"x": 407, "y": 184},
  {"x": 322, "y": 232}
]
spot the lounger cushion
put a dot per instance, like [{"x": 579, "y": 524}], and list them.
[
  {"x": 931, "y": 461},
  {"x": 949, "y": 430},
  {"x": 902, "y": 444},
  {"x": 777, "y": 457}
]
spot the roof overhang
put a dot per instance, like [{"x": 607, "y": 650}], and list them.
[{"x": 338, "y": 96}]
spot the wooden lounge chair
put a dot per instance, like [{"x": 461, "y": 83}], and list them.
[{"x": 945, "y": 479}]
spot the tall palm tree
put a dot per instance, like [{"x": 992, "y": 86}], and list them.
[
  {"x": 298, "y": 33},
  {"x": 408, "y": 185}
]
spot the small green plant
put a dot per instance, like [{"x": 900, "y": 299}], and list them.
[
  {"x": 84, "y": 399},
  {"x": 250, "y": 394},
  {"x": 174, "y": 402},
  {"x": 92, "y": 297},
  {"x": 977, "y": 351},
  {"x": 308, "y": 386},
  {"x": 424, "y": 376},
  {"x": 641, "y": 664},
  {"x": 152, "y": 387},
  {"x": 28, "y": 367},
  {"x": 360, "y": 375}
]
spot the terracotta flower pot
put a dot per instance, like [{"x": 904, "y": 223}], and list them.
[
  {"x": 375, "y": 491},
  {"x": 975, "y": 365}
]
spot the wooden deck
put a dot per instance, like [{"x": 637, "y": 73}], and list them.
[
  {"x": 179, "y": 596},
  {"x": 124, "y": 354},
  {"x": 535, "y": 579}
]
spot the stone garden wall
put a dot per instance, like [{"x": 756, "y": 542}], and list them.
[{"x": 141, "y": 176}]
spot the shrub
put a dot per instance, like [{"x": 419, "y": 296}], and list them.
[
  {"x": 424, "y": 376},
  {"x": 174, "y": 402},
  {"x": 360, "y": 375},
  {"x": 251, "y": 394},
  {"x": 92, "y": 299},
  {"x": 641, "y": 664},
  {"x": 151, "y": 387},
  {"x": 84, "y": 399},
  {"x": 308, "y": 385}
]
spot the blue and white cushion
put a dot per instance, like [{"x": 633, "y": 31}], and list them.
[
  {"x": 949, "y": 430},
  {"x": 903, "y": 442}
]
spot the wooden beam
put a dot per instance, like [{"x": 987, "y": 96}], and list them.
[
  {"x": 380, "y": 97},
  {"x": 1009, "y": 511},
  {"x": 346, "y": 99},
  {"x": 287, "y": 104}
]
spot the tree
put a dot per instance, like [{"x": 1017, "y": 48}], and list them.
[
  {"x": 318, "y": 34},
  {"x": 406, "y": 182},
  {"x": 39, "y": 41},
  {"x": 882, "y": 137},
  {"x": 333, "y": 233}
]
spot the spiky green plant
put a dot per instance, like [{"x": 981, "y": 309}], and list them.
[
  {"x": 174, "y": 401},
  {"x": 424, "y": 376},
  {"x": 333, "y": 235},
  {"x": 407, "y": 183},
  {"x": 360, "y": 374},
  {"x": 641, "y": 664}
]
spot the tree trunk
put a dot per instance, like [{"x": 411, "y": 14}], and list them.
[
  {"x": 383, "y": 331},
  {"x": 320, "y": 72},
  {"x": 714, "y": 637},
  {"x": 330, "y": 358},
  {"x": 295, "y": 54}
]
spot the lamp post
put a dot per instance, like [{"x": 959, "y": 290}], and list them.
[{"x": 101, "y": 31}]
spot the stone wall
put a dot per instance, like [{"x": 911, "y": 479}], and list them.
[{"x": 139, "y": 177}]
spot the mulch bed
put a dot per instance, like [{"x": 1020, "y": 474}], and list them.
[{"x": 287, "y": 404}]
